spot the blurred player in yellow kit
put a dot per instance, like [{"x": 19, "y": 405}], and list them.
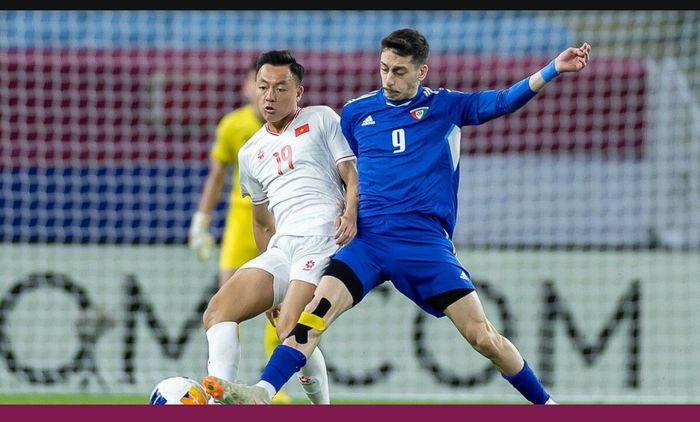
[{"x": 237, "y": 244}]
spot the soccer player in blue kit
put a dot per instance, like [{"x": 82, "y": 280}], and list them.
[{"x": 407, "y": 141}]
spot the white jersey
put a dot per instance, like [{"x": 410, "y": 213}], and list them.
[{"x": 296, "y": 171}]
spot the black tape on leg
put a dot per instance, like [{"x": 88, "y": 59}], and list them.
[
  {"x": 301, "y": 330},
  {"x": 323, "y": 306},
  {"x": 300, "y": 333}
]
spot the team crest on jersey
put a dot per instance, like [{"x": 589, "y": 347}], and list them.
[
  {"x": 419, "y": 113},
  {"x": 309, "y": 265},
  {"x": 261, "y": 154},
  {"x": 302, "y": 129}
]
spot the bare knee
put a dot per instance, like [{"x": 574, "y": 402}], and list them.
[
  {"x": 246, "y": 294},
  {"x": 219, "y": 310},
  {"x": 211, "y": 314}
]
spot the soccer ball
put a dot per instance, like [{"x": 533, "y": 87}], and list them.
[{"x": 179, "y": 390}]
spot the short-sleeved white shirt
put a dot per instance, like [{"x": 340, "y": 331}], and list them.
[{"x": 296, "y": 171}]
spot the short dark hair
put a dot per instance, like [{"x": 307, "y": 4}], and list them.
[
  {"x": 281, "y": 58},
  {"x": 408, "y": 42}
]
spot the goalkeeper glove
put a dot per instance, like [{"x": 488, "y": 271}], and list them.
[{"x": 199, "y": 239}]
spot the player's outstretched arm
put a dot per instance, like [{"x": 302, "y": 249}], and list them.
[
  {"x": 570, "y": 60},
  {"x": 496, "y": 103}
]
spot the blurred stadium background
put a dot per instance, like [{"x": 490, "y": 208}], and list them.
[{"x": 578, "y": 217}]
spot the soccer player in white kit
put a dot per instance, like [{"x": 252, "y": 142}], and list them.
[{"x": 300, "y": 174}]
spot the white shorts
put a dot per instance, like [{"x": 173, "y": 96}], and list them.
[{"x": 294, "y": 258}]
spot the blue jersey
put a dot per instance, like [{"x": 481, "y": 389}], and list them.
[{"x": 408, "y": 151}]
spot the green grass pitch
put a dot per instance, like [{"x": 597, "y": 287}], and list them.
[{"x": 139, "y": 399}]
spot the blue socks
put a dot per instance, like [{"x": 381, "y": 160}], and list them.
[
  {"x": 527, "y": 383},
  {"x": 284, "y": 362}
]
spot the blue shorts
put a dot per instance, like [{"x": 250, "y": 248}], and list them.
[{"x": 412, "y": 251}]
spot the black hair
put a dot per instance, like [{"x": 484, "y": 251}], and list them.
[
  {"x": 408, "y": 42},
  {"x": 281, "y": 58}
]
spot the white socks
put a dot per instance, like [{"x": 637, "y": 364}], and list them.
[
  {"x": 267, "y": 387},
  {"x": 225, "y": 355},
  {"x": 224, "y": 350},
  {"x": 313, "y": 378}
]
